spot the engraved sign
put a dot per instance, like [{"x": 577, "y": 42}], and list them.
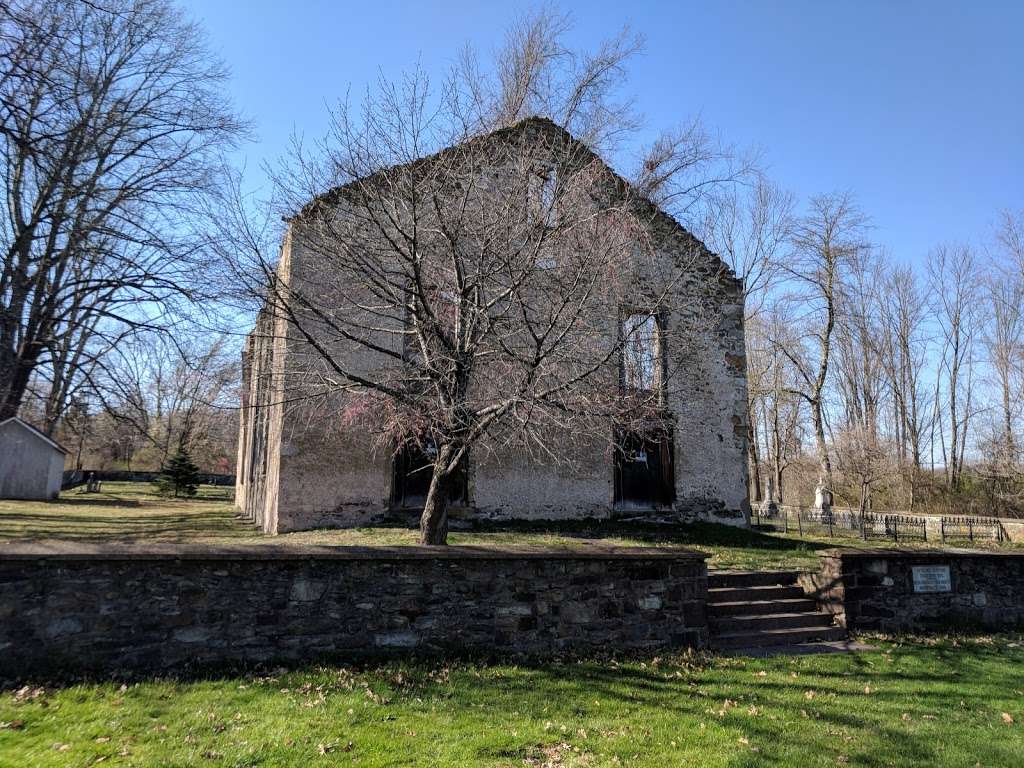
[{"x": 932, "y": 578}]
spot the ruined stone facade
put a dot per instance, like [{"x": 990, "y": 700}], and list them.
[{"x": 297, "y": 469}]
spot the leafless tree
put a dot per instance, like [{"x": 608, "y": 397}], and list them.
[
  {"x": 954, "y": 284},
  {"x": 1004, "y": 331},
  {"x": 749, "y": 226},
  {"x": 170, "y": 394},
  {"x": 865, "y": 458},
  {"x": 508, "y": 290},
  {"x": 858, "y": 336},
  {"x": 777, "y": 410},
  {"x": 904, "y": 348},
  {"x": 111, "y": 121},
  {"x": 826, "y": 242},
  {"x": 535, "y": 72}
]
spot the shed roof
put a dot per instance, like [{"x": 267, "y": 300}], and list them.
[{"x": 35, "y": 432}]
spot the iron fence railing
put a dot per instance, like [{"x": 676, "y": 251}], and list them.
[
  {"x": 972, "y": 529},
  {"x": 893, "y": 526}
]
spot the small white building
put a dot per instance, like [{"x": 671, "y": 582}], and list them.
[{"x": 31, "y": 464}]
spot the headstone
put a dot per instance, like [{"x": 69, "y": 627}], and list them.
[
  {"x": 769, "y": 508},
  {"x": 822, "y": 501}
]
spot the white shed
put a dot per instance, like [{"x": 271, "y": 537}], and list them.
[{"x": 31, "y": 464}]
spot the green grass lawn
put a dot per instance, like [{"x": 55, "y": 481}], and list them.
[
  {"x": 913, "y": 703},
  {"x": 132, "y": 512},
  {"x": 123, "y": 511}
]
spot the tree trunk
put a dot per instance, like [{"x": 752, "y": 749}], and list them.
[
  {"x": 434, "y": 521},
  {"x": 825, "y": 465},
  {"x": 752, "y": 457},
  {"x": 15, "y": 374}
]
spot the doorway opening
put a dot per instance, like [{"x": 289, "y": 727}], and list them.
[
  {"x": 412, "y": 470},
  {"x": 644, "y": 469}
]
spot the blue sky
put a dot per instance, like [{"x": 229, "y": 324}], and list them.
[{"x": 915, "y": 107}]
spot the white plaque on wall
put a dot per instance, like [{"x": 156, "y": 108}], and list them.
[{"x": 932, "y": 578}]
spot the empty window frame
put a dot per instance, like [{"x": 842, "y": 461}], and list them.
[
  {"x": 547, "y": 197},
  {"x": 642, "y": 351}
]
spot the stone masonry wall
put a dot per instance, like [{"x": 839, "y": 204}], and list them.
[
  {"x": 308, "y": 468},
  {"x": 874, "y": 589},
  {"x": 158, "y": 608}
]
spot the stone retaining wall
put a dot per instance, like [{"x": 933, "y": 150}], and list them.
[
  {"x": 874, "y": 589},
  {"x": 160, "y": 607}
]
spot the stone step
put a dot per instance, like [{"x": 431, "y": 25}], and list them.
[
  {"x": 754, "y": 594},
  {"x": 758, "y": 607},
  {"x": 762, "y": 623},
  {"x": 773, "y": 637},
  {"x": 751, "y": 578}
]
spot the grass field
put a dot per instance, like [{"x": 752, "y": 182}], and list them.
[
  {"x": 132, "y": 512},
  {"x": 915, "y": 703},
  {"x": 123, "y": 512},
  {"x": 944, "y": 702}
]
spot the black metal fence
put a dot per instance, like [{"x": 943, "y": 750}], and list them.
[
  {"x": 896, "y": 527},
  {"x": 972, "y": 529}
]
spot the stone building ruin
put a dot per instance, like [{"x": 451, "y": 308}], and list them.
[{"x": 300, "y": 467}]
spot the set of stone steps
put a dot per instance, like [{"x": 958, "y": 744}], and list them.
[{"x": 764, "y": 608}]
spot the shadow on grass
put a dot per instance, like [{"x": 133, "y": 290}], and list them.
[
  {"x": 95, "y": 501},
  {"x": 89, "y": 528},
  {"x": 690, "y": 689},
  {"x": 693, "y": 534}
]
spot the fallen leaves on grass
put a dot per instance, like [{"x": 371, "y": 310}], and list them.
[{"x": 28, "y": 693}]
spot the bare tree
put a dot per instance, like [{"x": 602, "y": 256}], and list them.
[
  {"x": 536, "y": 73},
  {"x": 750, "y": 227},
  {"x": 508, "y": 290},
  {"x": 776, "y": 409},
  {"x": 954, "y": 283},
  {"x": 865, "y": 458},
  {"x": 169, "y": 394},
  {"x": 904, "y": 348},
  {"x": 858, "y": 337},
  {"x": 1004, "y": 331},
  {"x": 111, "y": 121},
  {"x": 826, "y": 242}
]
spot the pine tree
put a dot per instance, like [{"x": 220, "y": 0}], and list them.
[{"x": 179, "y": 477}]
